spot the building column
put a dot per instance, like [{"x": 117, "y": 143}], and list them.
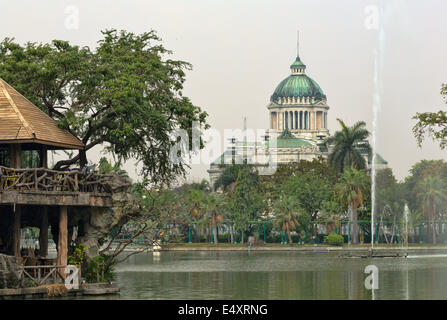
[
  {"x": 296, "y": 120},
  {"x": 304, "y": 120},
  {"x": 277, "y": 120},
  {"x": 281, "y": 121},
  {"x": 309, "y": 118},
  {"x": 62, "y": 244},
  {"x": 43, "y": 233},
  {"x": 16, "y": 229},
  {"x": 301, "y": 119},
  {"x": 291, "y": 120}
]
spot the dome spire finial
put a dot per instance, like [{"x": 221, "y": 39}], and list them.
[{"x": 297, "y": 43}]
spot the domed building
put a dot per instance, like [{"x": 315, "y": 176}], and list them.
[
  {"x": 297, "y": 130},
  {"x": 298, "y": 104}
]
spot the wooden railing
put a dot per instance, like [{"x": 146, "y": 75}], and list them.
[
  {"x": 40, "y": 179},
  {"x": 44, "y": 274}
]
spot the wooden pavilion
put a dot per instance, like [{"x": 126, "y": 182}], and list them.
[{"x": 31, "y": 195}]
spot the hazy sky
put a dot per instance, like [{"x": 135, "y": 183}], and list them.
[{"x": 240, "y": 50}]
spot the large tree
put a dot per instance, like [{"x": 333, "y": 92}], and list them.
[
  {"x": 390, "y": 199},
  {"x": 432, "y": 193},
  {"x": 124, "y": 95},
  {"x": 311, "y": 190},
  {"x": 346, "y": 144},
  {"x": 433, "y": 124},
  {"x": 287, "y": 211},
  {"x": 248, "y": 203},
  {"x": 351, "y": 190}
]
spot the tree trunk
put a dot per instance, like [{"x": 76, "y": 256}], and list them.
[
  {"x": 215, "y": 231},
  {"x": 289, "y": 236},
  {"x": 394, "y": 229},
  {"x": 432, "y": 222},
  {"x": 355, "y": 229},
  {"x": 82, "y": 158},
  {"x": 242, "y": 236},
  {"x": 232, "y": 234},
  {"x": 433, "y": 231}
]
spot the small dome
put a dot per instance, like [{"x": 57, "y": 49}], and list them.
[{"x": 298, "y": 84}]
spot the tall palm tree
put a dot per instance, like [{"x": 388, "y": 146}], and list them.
[
  {"x": 287, "y": 212},
  {"x": 346, "y": 144},
  {"x": 351, "y": 190},
  {"x": 431, "y": 191},
  {"x": 195, "y": 200},
  {"x": 213, "y": 205}
]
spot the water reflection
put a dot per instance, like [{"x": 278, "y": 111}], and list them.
[{"x": 277, "y": 275}]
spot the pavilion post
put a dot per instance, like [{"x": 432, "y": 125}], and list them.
[
  {"x": 62, "y": 245},
  {"x": 43, "y": 234},
  {"x": 44, "y": 157},
  {"x": 16, "y": 231},
  {"x": 15, "y": 156}
]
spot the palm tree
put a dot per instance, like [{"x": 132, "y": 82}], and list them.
[
  {"x": 431, "y": 191},
  {"x": 287, "y": 212},
  {"x": 351, "y": 190},
  {"x": 213, "y": 204},
  {"x": 195, "y": 199},
  {"x": 346, "y": 144}
]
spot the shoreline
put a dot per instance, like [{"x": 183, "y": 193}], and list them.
[{"x": 302, "y": 248}]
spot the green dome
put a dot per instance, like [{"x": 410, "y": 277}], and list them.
[
  {"x": 297, "y": 63},
  {"x": 287, "y": 140},
  {"x": 298, "y": 85}
]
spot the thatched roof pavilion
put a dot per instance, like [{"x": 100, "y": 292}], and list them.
[
  {"x": 23, "y": 126},
  {"x": 33, "y": 195}
]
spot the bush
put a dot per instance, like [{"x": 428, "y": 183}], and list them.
[
  {"x": 97, "y": 270},
  {"x": 78, "y": 256},
  {"x": 334, "y": 239}
]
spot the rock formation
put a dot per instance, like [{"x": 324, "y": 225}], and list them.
[
  {"x": 94, "y": 224},
  {"x": 10, "y": 272}
]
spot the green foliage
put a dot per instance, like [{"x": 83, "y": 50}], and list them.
[
  {"x": 28, "y": 283},
  {"x": 98, "y": 269},
  {"x": 122, "y": 95},
  {"x": 228, "y": 176},
  {"x": 353, "y": 188},
  {"x": 390, "y": 195},
  {"x": 346, "y": 145},
  {"x": 288, "y": 213},
  {"x": 247, "y": 202},
  {"x": 106, "y": 167},
  {"x": 78, "y": 256},
  {"x": 311, "y": 190},
  {"x": 432, "y": 194},
  {"x": 334, "y": 239},
  {"x": 432, "y": 124}
]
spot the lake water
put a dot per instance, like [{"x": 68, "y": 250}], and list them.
[{"x": 278, "y": 275}]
